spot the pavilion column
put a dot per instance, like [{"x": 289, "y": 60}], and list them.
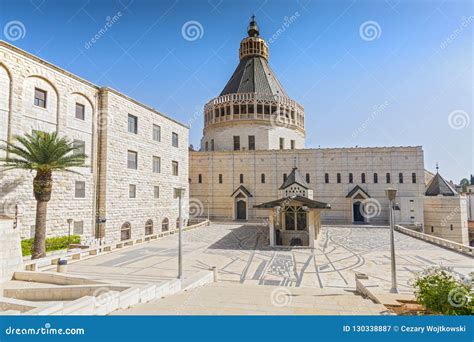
[{"x": 271, "y": 227}]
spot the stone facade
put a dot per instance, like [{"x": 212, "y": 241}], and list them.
[
  {"x": 10, "y": 249},
  {"x": 103, "y": 131},
  {"x": 216, "y": 175}
]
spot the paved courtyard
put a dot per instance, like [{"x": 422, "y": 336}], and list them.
[{"x": 241, "y": 254}]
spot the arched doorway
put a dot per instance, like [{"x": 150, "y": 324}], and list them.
[
  {"x": 165, "y": 225},
  {"x": 149, "y": 227},
  {"x": 126, "y": 231},
  {"x": 241, "y": 208}
]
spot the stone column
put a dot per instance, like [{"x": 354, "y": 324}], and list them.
[{"x": 271, "y": 227}]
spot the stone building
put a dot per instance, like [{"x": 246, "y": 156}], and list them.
[
  {"x": 136, "y": 155},
  {"x": 254, "y": 135}
]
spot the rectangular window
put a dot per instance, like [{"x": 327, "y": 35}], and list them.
[
  {"x": 376, "y": 178},
  {"x": 220, "y": 178},
  {"x": 241, "y": 178},
  {"x": 282, "y": 143},
  {"x": 326, "y": 178},
  {"x": 78, "y": 228},
  {"x": 132, "y": 191},
  {"x": 308, "y": 178},
  {"x": 285, "y": 176},
  {"x": 80, "y": 189},
  {"x": 156, "y": 191},
  {"x": 262, "y": 178},
  {"x": 156, "y": 164},
  {"x": 174, "y": 165},
  {"x": 413, "y": 177},
  {"x": 80, "y": 111},
  {"x": 80, "y": 146},
  {"x": 212, "y": 144},
  {"x": 400, "y": 178},
  {"x": 206, "y": 146},
  {"x": 251, "y": 142},
  {"x": 200, "y": 179},
  {"x": 132, "y": 124},
  {"x": 387, "y": 178},
  {"x": 236, "y": 143},
  {"x": 292, "y": 142},
  {"x": 156, "y": 133},
  {"x": 351, "y": 178},
  {"x": 338, "y": 178},
  {"x": 132, "y": 160},
  {"x": 362, "y": 178},
  {"x": 40, "y": 98},
  {"x": 174, "y": 139}
]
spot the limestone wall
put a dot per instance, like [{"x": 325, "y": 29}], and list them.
[
  {"x": 10, "y": 249},
  {"x": 446, "y": 217},
  {"x": 315, "y": 162}
]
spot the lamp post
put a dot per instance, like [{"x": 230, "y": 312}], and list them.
[
  {"x": 180, "y": 233},
  {"x": 69, "y": 222},
  {"x": 391, "y": 194}
]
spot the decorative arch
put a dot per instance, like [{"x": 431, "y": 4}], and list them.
[
  {"x": 7, "y": 120},
  {"x": 126, "y": 231},
  {"x": 149, "y": 227},
  {"x": 55, "y": 89}
]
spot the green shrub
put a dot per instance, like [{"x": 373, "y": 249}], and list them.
[
  {"x": 443, "y": 292},
  {"x": 52, "y": 244}
]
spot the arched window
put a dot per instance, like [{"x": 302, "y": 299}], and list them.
[
  {"x": 376, "y": 178},
  {"x": 241, "y": 178},
  {"x": 308, "y": 178},
  {"x": 339, "y": 178},
  {"x": 362, "y": 177},
  {"x": 387, "y": 176},
  {"x": 126, "y": 231},
  {"x": 413, "y": 177},
  {"x": 149, "y": 227},
  {"x": 220, "y": 178},
  {"x": 400, "y": 177},
  {"x": 199, "y": 178},
  {"x": 351, "y": 178},
  {"x": 326, "y": 178},
  {"x": 262, "y": 178},
  {"x": 165, "y": 225}
]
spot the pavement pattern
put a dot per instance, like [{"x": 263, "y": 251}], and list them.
[{"x": 242, "y": 256}]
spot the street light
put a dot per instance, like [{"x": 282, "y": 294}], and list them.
[
  {"x": 180, "y": 193},
  {"x": 391, "y": 194},
  {"x": 69, "y": 222}
]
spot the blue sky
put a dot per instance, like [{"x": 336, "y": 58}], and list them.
[{"x": 410, "y": 83}]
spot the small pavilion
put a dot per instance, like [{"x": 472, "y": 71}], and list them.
[{"x": 295, "y": 218}]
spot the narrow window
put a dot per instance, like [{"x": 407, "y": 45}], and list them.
[
  {"x": 156, "y": 191},
  {"x": 236, "y": 143},
  {"x": 132, "y": 191},
  {"x": 175, "y": 139},
  {"x": 284, "y": 177},
  {"x": 132, "y": 160},
  {"x": 413, "y": 177},
  {"x": 80, "y": 111},
  {"x": 432, "y": 229},
  {"x": 362, "y": 177},
  {"x": 80, "y": 189},
  {"x": 338, "y": 176},
  {"x": 78, "y": 228},
  {"x": 156, "y": 164},
  {"x": 451, "y": 227},
  {"x": 241, "y": 178},
  {"x": 326, "y": 178},
  {"x": 251, "y": 142},
  {"x": 156, "y": 133},
  {"x": 282, "y": 143},
  {"x": 400, "y": 178},
  {"x": 79, "y": 146},
  {"x": 174, "y": 166},
  {"x": 308, "y": 178},
  {"x": 376, "y": 178},
  {"x": 40, "y": 98},
  {"x": 351, "y": 178},
  {"x": 200, "y": 178},
  {"x": 292, "y": 142},
  {"x": 387, "y": 178},
  {"x": 132, "y": 124},
  {"x": 207, "y": 146},
  {"x": 220, "y": 178},
  {"x": 212, "y": 144},
  {"x": 262, "y": 178}
]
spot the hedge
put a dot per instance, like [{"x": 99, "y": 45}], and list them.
[{"x": 52, "y": 244}]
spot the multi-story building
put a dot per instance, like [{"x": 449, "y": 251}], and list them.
[{"x": 136, "y": 155}]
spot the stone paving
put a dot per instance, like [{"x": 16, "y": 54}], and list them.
[{"x": 242, "y": 255}]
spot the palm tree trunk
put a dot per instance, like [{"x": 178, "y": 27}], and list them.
[{"x": 39, "y": 248}]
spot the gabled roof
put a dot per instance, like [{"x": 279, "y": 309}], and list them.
[
  {"x": 254, "y": 75},
  {"x": 286, "y": 200},
  {"x": 294, "y": 177},
  {"x": 243, "y": 189},
  {"x": 355, "y": 189},
  {"x": 439, "y": 186}
]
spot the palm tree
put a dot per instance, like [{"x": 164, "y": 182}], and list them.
[{"x": 44, "y": 153}]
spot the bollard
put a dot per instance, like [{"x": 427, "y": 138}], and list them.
[
  {"x": 215, "y": 273},
  {"x": 62, "y": 266}
]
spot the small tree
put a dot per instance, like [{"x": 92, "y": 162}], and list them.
[
  {"x": 441, "y": 291},
  {"x": 43, "y": 153}
]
